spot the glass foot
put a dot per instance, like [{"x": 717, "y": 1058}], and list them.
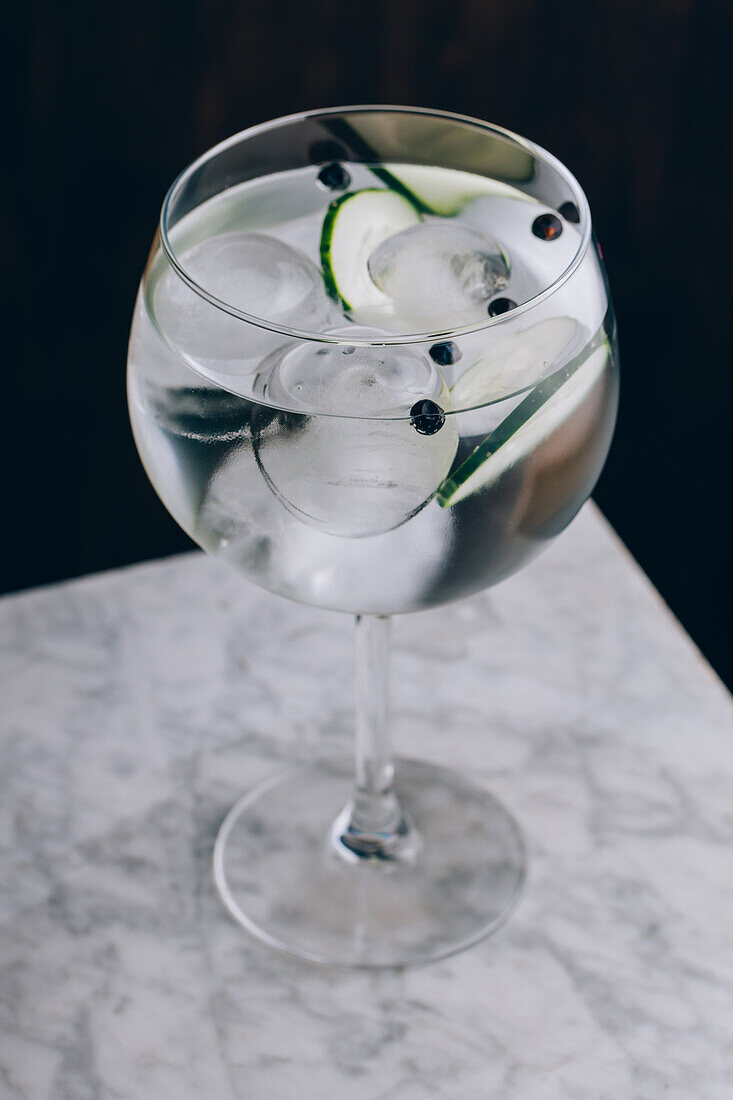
[{"x": 280, "y": 873}]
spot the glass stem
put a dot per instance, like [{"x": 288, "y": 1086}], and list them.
[{"x": 373, "y": 825}]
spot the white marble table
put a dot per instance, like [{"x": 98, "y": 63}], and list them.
[{"x": 137, "y": 704}]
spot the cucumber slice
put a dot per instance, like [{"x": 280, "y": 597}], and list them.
[
  {"x": 446, "y": 191},
  {"x": 353, "y": 227},
  {"x": 536, "y": 417},
  {"x": 514, "y": 363}
]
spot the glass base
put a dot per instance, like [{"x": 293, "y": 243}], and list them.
[{"x": 280, "y": 873}]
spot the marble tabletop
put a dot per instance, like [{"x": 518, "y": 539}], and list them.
[{"x": 138, "y": 704}]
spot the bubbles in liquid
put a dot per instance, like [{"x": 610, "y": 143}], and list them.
[
  {"x": 359, "y": 467},
  {"x": 438, "y": 275}
]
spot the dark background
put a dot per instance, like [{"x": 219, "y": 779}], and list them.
[{"x": 110, "y": 100}]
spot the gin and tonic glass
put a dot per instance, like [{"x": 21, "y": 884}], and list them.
[{"x": 373, "y": 367}]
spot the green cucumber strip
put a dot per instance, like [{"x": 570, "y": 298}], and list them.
[
  {"x": 426, "y": 187},
  {"x": 514, "y": 363},
  {"x": 355, "y": 224},
  {"x": 363, "y": 152},
  {"x": 395, "y": 184},
  {"x": 447, "y": 191},
  {"x": 532, "y": 420}
]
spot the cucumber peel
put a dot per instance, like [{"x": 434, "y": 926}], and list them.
[
  {"x": 355, "y": 224},
  {"x": 536, "y": 417},
  {"x": 444, "y": 191}
]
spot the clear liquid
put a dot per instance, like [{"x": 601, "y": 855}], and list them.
[{"x": 344, "y": 512}]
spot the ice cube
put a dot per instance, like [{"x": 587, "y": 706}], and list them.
[
  {"x": 253, "y": 273},
  {"x": 259, "y": 275},
  {"x": 438, "y": 275},
  {"x": 353, "y": 478},
  {"x": 361, "y": 467},
  {"x": 349, "y": 380},
  {"x": 241, "y": 519}
]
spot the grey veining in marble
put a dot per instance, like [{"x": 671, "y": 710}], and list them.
[{"x": 138, "y": 704}]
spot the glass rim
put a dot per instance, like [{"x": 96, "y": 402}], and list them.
[{"x": 388, "y": 340}]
